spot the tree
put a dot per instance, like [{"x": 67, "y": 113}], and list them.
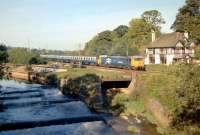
[
  {"x": 140, "y": 32},
  {"x": 3, "y": 54},
  {"x": 100, "y": 44},
  {"x": 36, "y": 60},
  {"x": 24, "y": 56},
  {"x": 154, "y": 18},
  {"x": 121, "y": 30},
  {"x": 3, "y": 59},
  {"x": 188, "y": 19}
]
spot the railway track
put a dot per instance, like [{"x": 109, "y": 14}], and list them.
[{"x": 126, "y": 71}]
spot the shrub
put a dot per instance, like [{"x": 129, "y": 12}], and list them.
[
  {"x": 120, "y": 103},
  {"x": 52, "y": 79},
  {"x": 186, "y": 116},
  {"x": 197, "y": 52}
]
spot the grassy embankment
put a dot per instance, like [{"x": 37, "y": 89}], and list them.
[
  {"x": 158, "y": 83},
  {"x": 78, "y": 72}
]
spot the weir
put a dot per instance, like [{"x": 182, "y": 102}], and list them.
[
  {"x": 43, "y": 123},
  {"x": 35, "y": 109}
]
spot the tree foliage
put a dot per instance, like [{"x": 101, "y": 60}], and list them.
[
  {"x": 3, "y": 54},
  {"x": 188, "y": 19},
  {"x": 154, "y": 18},
  {"x": 24, "y": 56},
  {"x": 197, "y": 52},
  {"x": 121, "y": 31},
  {"x": 3, "y": 59},
  {"x": 186, "y": 116},
  {"x": 100, "y": 44},
  {"x": 139, "y": 32}
]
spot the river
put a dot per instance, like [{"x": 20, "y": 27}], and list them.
[{"x": 33, "y": 109}]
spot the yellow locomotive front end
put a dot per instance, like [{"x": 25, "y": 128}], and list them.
[{"x": 137, "y": 62}]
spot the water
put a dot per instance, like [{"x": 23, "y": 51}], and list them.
[
  {"x": 87, "y": 128},
  {"x": 36, "y": 110}
]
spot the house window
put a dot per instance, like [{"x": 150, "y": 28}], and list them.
[
  {"x": 163, "y": 51},
  {"x": 169, "y": 51},
  {"x": 151, "y": 51},
  {"x": 188, "y": 51},
  {"x": 162, "y": 59},
  {"x": 179, "y": 51},
  {"x": 152, "y": 60},
  {"x": 157, "y": 51}
]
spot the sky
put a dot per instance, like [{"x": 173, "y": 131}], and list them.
[{"x": 67, "y": 24}]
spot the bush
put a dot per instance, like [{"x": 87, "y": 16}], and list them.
[
  {"x": 3, "y": 54},
  {"x": 186, "y": 116},
  {"x": 197, "y": 52},
  {"x": 52, "y": 79},
  {"x": 121, "y": 103},
  {"x": 36, "y": 60}
]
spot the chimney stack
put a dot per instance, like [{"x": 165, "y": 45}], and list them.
[{"x": 153, "y": 36}]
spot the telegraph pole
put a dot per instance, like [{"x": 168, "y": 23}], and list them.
[
  {"x": 127, "y": 50},
  {"x": 79, "y": 47},
  {"x": 28, "y": 43}
]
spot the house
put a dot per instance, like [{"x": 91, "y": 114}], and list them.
[{"x": 168, "y": 48}]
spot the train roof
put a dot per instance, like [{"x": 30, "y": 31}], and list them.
[
  {"x": 66, "y": 56},
  {"x": 137, "y": 56}
]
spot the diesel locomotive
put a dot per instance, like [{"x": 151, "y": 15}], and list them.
[{"x": 133, "y": 62}]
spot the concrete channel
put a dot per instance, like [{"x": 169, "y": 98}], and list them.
[{"x": 37, "y": 110}]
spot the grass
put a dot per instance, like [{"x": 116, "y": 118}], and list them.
[
  {"x": 132, "y": 129},
  {"x": 159, "y": 82},
  {"x": 133, "y": 106},
  {"x": 77, "y": 72}
]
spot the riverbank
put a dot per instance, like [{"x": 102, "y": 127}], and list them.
[
  {"x": 151, "y": 97},
  {"x": 163, "y": 95}
]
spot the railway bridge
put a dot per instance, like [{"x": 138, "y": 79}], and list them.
[{"x": 108, "y": 84}]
